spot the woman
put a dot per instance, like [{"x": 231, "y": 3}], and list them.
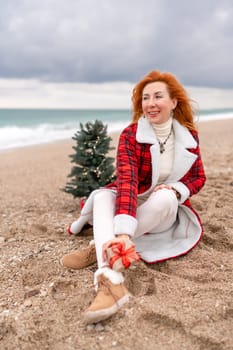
[{"x": 159, "y": 168}]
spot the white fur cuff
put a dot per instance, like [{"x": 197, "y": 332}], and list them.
[
  {"x": 125, "y": 224},
  {"x": 182, "y": 189},
  {"x": 113, "y": 276}
]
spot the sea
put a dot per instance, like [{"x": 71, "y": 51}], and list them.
[{"x": 26, "y": 127}]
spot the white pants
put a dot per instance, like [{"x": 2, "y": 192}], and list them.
[{"x": 155, "y": 214}]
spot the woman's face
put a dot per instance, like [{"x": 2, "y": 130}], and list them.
[{"x": 157, "y": 103}]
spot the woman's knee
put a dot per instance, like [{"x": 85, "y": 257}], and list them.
[
  {"x": 165, "y": 198},
  {"x": 104, "y": 196}
]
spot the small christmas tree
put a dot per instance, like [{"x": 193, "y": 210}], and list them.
[{"x": 93, "y": 168}]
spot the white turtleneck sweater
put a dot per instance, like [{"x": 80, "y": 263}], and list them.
[{"x": 166, "y": 158}]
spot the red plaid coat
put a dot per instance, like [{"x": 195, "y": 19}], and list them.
[{"x": 134, "y": 171}]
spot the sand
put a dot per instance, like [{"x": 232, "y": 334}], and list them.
[{"x": 185, "y": 303}]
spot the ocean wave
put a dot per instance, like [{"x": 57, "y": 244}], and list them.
[
  {"x": 20, "y": 136},
  {"x": 15, "y": 136},
  {"x": 215, "y": 116}
]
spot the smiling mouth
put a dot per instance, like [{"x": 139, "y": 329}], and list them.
[{"x": 153, "y": 113}]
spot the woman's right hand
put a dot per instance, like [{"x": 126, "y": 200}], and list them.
[{"x": 118, "y": 239}]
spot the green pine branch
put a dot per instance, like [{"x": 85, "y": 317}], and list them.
[{"x": 92, "y": 167}]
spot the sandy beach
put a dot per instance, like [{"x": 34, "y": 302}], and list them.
[{"x": 185, "y": 303}]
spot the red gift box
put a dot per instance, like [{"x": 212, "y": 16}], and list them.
[{"x": 121, "y": 255}]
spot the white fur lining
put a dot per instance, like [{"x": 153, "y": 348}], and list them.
[
  {"x": 178, "y": 240},
  {"x": 145, "y": 133},
  {"x": 183, "y": 158},
  {"x": 125, "y": 224},
  {"x": 113, "y": 276}
]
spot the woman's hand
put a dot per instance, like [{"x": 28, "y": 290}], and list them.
[
  {"x": 120, "y": 253},
  {"x": 160, "y": 187}
]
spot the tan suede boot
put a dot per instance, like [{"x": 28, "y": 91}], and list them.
[
  {"x": 80, "y": 259},
  {"x": 109, "y": 299}
]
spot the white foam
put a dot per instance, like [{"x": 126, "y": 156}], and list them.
[{"x": 14, "y": 137}]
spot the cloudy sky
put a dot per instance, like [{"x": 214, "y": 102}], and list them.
[{"x": 90, "y": 53}]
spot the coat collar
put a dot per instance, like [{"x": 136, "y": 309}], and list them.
[
  {"x": 146, "y": 134},
  {"x": 183, "y": 158}
]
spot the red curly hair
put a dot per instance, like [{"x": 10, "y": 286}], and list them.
[{"x": 183, "y": 111}]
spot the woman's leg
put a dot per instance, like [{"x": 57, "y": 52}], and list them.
[
  {"x": 111, "y": 292},
  {"x": 157, "y": 213},
  {"x": 103, "y": 214}
]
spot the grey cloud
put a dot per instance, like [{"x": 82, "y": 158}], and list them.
[{"x": 95, "y": 41}]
